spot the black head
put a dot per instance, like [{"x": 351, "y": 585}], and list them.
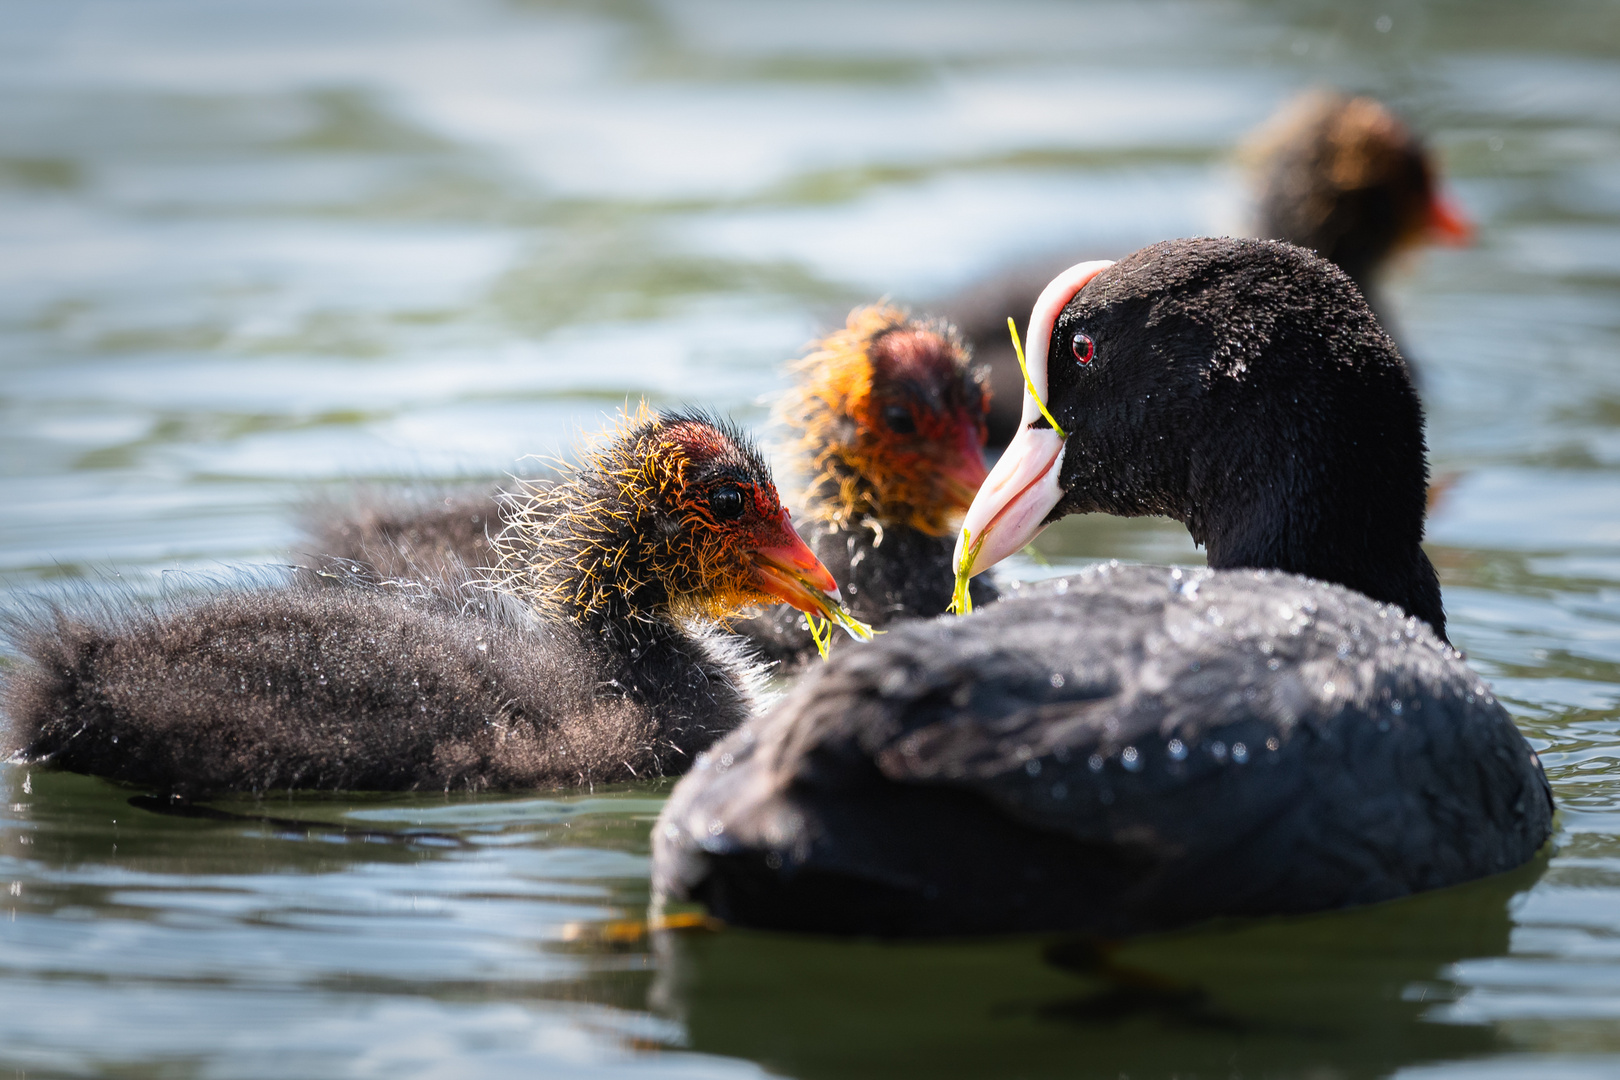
[{"x": 1240, "y": 386}]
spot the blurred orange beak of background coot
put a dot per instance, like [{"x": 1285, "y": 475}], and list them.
[{"x": 1447, "y": 223}]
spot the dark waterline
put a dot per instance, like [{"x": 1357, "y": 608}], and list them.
[{"x": 255, "y": 253}]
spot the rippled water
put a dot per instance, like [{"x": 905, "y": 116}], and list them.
[{"x": 254, "y": 252}]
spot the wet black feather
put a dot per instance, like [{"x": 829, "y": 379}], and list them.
[{"x": 1128, "y": 749}]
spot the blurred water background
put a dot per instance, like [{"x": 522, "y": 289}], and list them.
[{"x": 255, "y": 252}]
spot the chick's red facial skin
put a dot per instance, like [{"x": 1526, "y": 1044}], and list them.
[
  {"x": 783, "y": 564},
  {"x": 735, "y": 545},
  {"x": 925, "y": 413},
  {"x": 936, "y": 468}
]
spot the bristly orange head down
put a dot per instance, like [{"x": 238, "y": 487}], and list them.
[
  {"x": 888, "y": 415},
  {"x": 665, "y": 516}
]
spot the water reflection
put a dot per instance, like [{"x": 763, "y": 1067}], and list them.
[
  {"x": 1349, "y": 994},
  {"x": 417, "y": 930},
  {"x": 406, "y": 930}
]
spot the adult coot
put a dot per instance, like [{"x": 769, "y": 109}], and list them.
[
  {"x": 596, "y": 660},
  {"x": 1136, "y": 748}
]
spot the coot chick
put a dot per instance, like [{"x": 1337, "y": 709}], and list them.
[
  {"x": 596, "y": 660},
  {"x": 1137, "y": 748},
  {"x": 1339, "y": 175},
  {"x": 884, "y": 422}
]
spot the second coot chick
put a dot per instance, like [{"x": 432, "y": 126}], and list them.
[
  {"x": 885, "y": 423},
  {"x": 1137, "y": 748},
  {"x": 597, "y": 660}
]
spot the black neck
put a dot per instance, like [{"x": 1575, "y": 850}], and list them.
[
  {"x": 1334, "y": 536},
  {"x": 693, "y": 692},
  {"x": 622, "y": 610}
]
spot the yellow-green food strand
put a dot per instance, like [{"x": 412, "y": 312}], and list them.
[
  {"x": 852, "y": 626},
  {"x": 1029, "y": 384},
  {"x": 820, "y": 633},
  {"x": 961, "y": 599},
  {"x": 821, "y": 629}
]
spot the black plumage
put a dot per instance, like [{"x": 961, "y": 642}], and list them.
[
  {"x": 1137, "y": 748},
  {"x": 1245, "y": 389},
  {"x": 387, "y": 537},
  {"x": 305, "y": 686},
  {"x": 1128, "y": 749}
]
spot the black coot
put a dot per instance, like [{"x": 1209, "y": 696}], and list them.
[{"x": 1136, "y": 748}]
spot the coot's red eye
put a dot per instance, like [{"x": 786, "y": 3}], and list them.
[{"x": 1083, "y": 348}]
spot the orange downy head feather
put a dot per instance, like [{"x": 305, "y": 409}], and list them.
[
  {"x": 887, "y": 415},
  {"x": 663, "y": 517}
]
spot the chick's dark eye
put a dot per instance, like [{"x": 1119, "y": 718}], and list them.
[
  {"x": 899, "y": 420},
  {"x": 727, "y": 502},
  {"x": 1083, "y": 348}
]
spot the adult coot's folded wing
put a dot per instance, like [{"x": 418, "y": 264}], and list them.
[{"x": 1155, "y": 746}]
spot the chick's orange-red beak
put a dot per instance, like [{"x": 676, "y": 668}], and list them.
[
  {"x": 1447, "y": 223},
  {"x": 786, "y": 568},
  {"x": 963, "y": 471}
]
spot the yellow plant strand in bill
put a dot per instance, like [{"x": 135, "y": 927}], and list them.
[
  {"x": 820, "y": 632},
  {"x": 1029, "y": 384},
  {"x": 961, "y": 599}
]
